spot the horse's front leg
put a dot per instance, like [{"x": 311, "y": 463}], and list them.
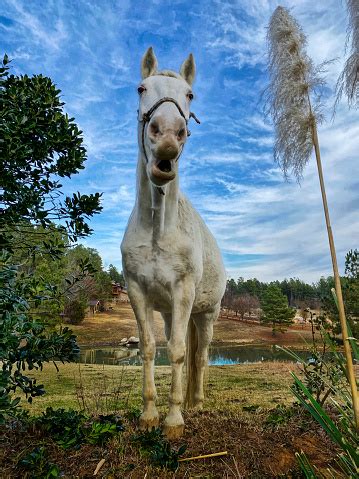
[
  {"x": 144, "y": 316},
  {"x": 183, "y": 297}
]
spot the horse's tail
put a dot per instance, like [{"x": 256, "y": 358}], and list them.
[{"x": 191, "y": 366}]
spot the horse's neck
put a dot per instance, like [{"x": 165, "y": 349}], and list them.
[{"x": 157, "y": 213}]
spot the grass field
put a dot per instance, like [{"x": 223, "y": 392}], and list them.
[{"x": 103, "y": 388}]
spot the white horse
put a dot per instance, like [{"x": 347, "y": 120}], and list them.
[{"x": 171, "y": 261}]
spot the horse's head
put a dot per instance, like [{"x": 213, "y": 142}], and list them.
[{"x": 164, "y": 111}]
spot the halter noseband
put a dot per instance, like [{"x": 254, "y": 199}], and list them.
[{"x": 146, "y": 117}]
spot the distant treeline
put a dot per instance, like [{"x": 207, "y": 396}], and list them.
[
  {"x": 296, "y": 290},
  {"x": 245, "y": 297}
]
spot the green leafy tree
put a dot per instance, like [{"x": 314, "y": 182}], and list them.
[
  {"x": 275, "y": 309},
  {"x": 350, "y": 288},
  {"x": 96, "y": 285},
  {"x": 115, "y": 275},
  {"x": 39, "y": 145},
  {"x": 75, "y": 310},
  {"x": 34, "y": 261}
]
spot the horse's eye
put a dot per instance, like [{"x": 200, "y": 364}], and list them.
[
  {"x": 141, "y": 89},
  {"x": 190, "y": 96}
]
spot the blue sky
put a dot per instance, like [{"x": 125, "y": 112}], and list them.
[{"x": 266, "y": 227}]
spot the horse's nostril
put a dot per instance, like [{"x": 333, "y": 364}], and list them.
[
  {"x": 165, "y": 166},
  {"x": 181, "y": 133},
  {"x": 155, "y": 129}
]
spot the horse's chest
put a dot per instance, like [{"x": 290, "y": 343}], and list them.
[{"x": 160, "y": 265}]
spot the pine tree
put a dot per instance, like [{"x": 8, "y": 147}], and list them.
[{"x": 275, "y": 309}]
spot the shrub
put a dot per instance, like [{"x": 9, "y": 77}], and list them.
[{"x": 75, "y": 310}]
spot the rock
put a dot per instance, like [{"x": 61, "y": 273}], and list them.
[
  {"x": 133, "y": 340},
  {"x": 124, "y": 341}
]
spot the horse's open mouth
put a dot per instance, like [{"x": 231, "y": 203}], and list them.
[
  {"x": 165, "y": 166},
  {"x": 163, "y": 170}
]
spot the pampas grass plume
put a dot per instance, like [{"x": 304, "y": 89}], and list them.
[
  {"x": 293, "y": 79},
  {"x": 348, "y": 82}
]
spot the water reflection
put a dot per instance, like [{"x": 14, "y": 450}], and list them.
[{"x": 218, "y": 355}]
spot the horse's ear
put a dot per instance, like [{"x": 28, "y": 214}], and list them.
[
  {"x": 188, "y": 69},
  {"x": 149, "y": 63}
]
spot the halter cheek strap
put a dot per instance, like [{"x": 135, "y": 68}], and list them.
[{"x": 146, "y": 117}]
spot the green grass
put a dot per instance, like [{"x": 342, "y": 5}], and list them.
[{"x": 108, "y": 388}]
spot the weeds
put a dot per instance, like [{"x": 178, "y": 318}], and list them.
[
  {"x": 342, "y": 430},
  {"x": 153, "y": 445},
  {"x": 325, "y": 379},
  {"x": 103, "y": 429},
  {"x": 37, "y": 464},
  {"x": 71, "y": 429},
  {"x": 65, "y": 426},
  {"x": 279, "y": 415},
  {"x": 322, "y": 370},
  {"x": 251, "y": 408},
  {"x": 105, "y": 394},
  {"x": 133, "y": 414}
]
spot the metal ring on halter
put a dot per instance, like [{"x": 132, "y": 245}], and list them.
[{"x": 146, "y": 117}]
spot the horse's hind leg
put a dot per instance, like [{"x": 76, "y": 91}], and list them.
[
  {"x": 144, "y": 316},
  {"x": 204, "y": 325}
]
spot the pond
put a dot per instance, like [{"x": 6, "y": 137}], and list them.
[{"x": 218, "y": 355}]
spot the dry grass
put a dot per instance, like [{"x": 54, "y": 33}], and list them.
[
  {"x": 107, "y": 329},
  {"x": 255, "y": 450}
]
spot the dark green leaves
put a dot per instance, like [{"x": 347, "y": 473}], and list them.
[
  {"x": 39, "y": 144},
  {"x": 37, "y": 464},
  {"x": 71, "y": 429},
  {"x": 158, "y": 449}
]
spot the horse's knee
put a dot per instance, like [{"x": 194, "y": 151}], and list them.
[
  {"x": 176, "y": 352},
  {"x": 148, "y": 351},
  {"x": 201, "y": 359}
]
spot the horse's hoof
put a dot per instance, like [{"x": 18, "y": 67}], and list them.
[
  {"x": 148, "y": 423},
  {"x": 173, "y": 432}
]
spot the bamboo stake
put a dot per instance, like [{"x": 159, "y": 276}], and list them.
[
  {"x": 215, "y": 454},
  {"x": 338, "y": 288},
  {"x": 98, "y": 467}
]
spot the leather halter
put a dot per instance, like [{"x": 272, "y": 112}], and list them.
[{"x": 146, "y": 117}]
